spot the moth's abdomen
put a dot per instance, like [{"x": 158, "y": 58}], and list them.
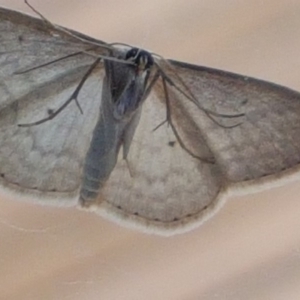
[
  {"x": 93, "y": 179},
  {"x": 100, "y": 160}
]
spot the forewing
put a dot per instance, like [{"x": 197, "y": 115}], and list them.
[
  {"x": 263, "y": 144},
  {"x": 40, "y": 68}
]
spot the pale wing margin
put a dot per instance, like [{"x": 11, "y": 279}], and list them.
[{"x": 36, "y": 78}]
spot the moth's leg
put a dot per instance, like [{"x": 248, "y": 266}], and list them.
[
  {"x": 175, "y": 131},
  {"x": 187, "y": 93},
  {"x": 53, "y": 114}
]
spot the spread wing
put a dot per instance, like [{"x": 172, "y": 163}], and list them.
[
  {"x": 247, "y": 128},
  {"x": 40, "y": 68}
]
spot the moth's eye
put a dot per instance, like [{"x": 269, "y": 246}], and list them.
[{"x": 131, "y": 53}]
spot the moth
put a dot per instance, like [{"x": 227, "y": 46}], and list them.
[{"x": 148, "y": 142}]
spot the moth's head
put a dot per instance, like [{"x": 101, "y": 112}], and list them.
[{"x": 142, "y": 59}]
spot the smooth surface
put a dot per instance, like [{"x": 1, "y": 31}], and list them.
[{"x": 250, "y": 250}]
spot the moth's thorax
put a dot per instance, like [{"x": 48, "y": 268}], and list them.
[{"x": 128, "y": 81}]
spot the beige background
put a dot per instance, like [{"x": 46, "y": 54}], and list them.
[{"x": 250, "y": 250}]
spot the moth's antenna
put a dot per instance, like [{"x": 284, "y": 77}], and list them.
[
  {"x": 38, "y": 13},
  {"x": 66, "y": 31}
]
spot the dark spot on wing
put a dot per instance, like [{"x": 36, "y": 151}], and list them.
[
  {"x": 172, "y": 143},
  {"x": 50, "y": 111},
  {"x": 20, "y": 38},
  {"x": 245, "y": 101}
]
